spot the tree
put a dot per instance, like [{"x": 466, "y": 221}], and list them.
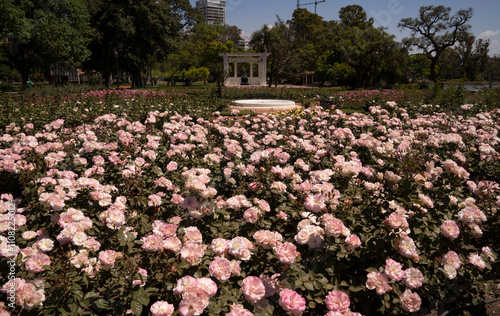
[
  {"x": 140, "y": 32},
  {"x": 278, "y": 41},
  {"x": 200, "y": 48},
  {"x": 473, "y": 56},
  {"x": 231, "y": 33},
  {"x": 434, "y": 30},
  {"x": 195, "y": 74},
  {"x": 331, "y": 68},
  {"x": 354, "y": 16},
  {"x": 369, "y": 51},
  {"x": 419, "y": 67},
  {"x": 41, "y": 34},
  {"x": 310, "y": 36}
]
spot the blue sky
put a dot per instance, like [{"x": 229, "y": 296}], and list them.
[{"x": 250, "y": 15}]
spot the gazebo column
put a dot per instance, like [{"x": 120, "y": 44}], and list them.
[
  {"x": 263, "y": 71},
  {"x": 252, "y": 58},
  {"x": 226, "y": 66}
]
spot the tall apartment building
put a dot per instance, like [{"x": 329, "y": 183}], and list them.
[{"x": 213, "y": 10}]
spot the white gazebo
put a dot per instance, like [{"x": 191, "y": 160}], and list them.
[{"x": 250, "y": 58}]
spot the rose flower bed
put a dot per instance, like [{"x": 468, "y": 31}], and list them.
[{"x": 310, "y": 214}]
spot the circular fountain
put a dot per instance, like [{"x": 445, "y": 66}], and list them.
[{"x": 265, "y": 105}]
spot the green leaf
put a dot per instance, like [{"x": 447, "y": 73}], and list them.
[
  {"x": 90, "y": 295},
  {"x": 64, "y": 310},
  {"x": 356, "y": 288},
  {"x": 309, "y": 286},
  {"x": 74, "y": 310},
  {"x": 103, "y": 304},
  {"x": 85, "y": 304},
  {"x": 136, "y": 307},
  {"x": 78, "y": 294},
  {"x": 138, "y": 293},
  {"x": 144, "y": 300},
  {"x": 72, "y": 274},
  {"x": 130, "y": 237}
]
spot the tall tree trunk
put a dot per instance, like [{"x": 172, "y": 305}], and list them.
[
  {"x": 137, "y": 79},
  {"x": 359, "y": 78},
  {"x": 24, "y": 76},
  {"x": 433, "y": 68}
]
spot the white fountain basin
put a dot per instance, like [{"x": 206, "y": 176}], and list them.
[{"x": 265, "y": 105}]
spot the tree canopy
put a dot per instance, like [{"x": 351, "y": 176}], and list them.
[
  {"x": 277, "y": 40},
  {"x": 140, "y": 32},
  {"x": 434, "y": 30},
  {"x": 41, "y": 34},
  {"x": 167, "y": 38}
]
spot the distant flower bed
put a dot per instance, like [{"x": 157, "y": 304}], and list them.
[{"x": 314, "y": 213}]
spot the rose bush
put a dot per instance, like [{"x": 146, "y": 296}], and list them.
[{"x": 314, "y": 213}]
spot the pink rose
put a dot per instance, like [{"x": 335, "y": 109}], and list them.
[
  {"x": 154, "y": 200},
  {"x": 353, "y": 241},
  {"x": 192, "y": 306},
  {"x": 177, "y": 199},
  {"x": 410, "y": 301},
  {"x": 208, "y": 286},
  {"x": 251, "y": 215},
  {"x": 489, "y": 253},
  {"x": 152, "y": 242},
  {"x": 413, "y": 278},
  {"x": 292, "y": 302},
  {"x": 162, "y": 308},
  {"x": 184, "y": 284},
  {"x": 475, "y": 259},
  {"x": 239, "y": 310},
  {"x": 393, "y": 270},
  {"x": 36, "y": 263},
  {"x": 173, "y": 244},
  {"x": 407, "y": 248},
  {"x": 219, "y": 245},
  {"x": 397, "y": 220},
  {"x": 333, "y": 227},
  {"x": 271, "y": 283},
  {"x": 452, "y": 259},
  {"x": 220, "y": 269},
  {"x": 315, "y": 203},
  {"x": 192, "y": 252},
  {"x": 253, "y": 289},
  {"x": 378, "y": 281},
  {"x": 286, "y": 253},
  {"x": 337, "y": 301},
  {"x": 193, "y": 234},
  {"x": 107, "y": 258},
  {"x": 235, "y": 268},
  {"x": 450, "y": 229},
  {"x": 163, "y": 229},
  {"x": 172, "y": 166}
]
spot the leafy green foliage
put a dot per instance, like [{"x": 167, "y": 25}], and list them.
[
  {"x": 434, "y": 30},
  {"x": 42, "y": 34}
]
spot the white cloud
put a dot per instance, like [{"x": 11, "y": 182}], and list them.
[
  {"x": 489, "y": 34},
  {"x": 494, "y": 47}
]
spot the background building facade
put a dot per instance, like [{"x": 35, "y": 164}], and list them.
[{"x": 213, "y": 10}]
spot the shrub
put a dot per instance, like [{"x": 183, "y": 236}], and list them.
[{"x": 125, "y": 200}]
